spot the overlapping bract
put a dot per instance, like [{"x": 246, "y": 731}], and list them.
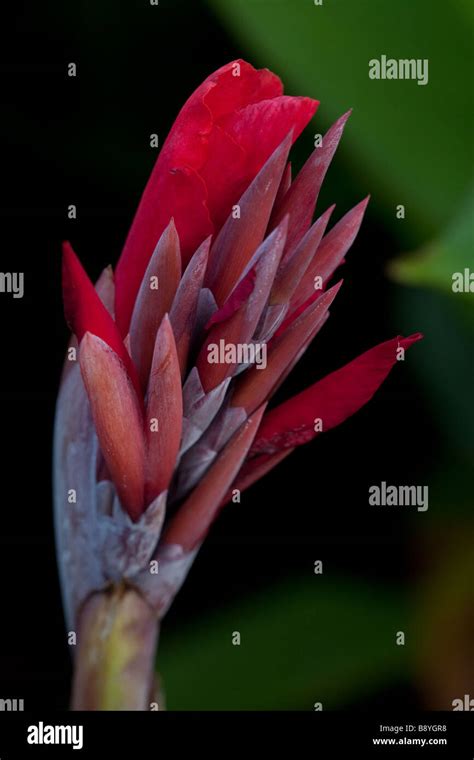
[{"x": 222, "y": 250}]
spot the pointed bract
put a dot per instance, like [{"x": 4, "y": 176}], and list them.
[
  {"x": 330, "y": 253},
  {"x": 256, "y": 385},
  {"x": 194, "y": 517},
  {"x": 237, "y": 298},
  {"x": 332, "y": 400},
  {"x": 105, "y": 287},
  {"x": 164, "y": 413},
  {"x": 296, "y": 261},
  {"x": 240, "y": 236},
  {"x": 117, "y": 419},
  {"x": 154, "y": 299},
  {"x": 285, "y": 185},
  {"x": 185, "y": 305},
  {"x": 85, "y": 311},
  {"x": 300, "y": 200},
  {"x": 239, "y": 328}
]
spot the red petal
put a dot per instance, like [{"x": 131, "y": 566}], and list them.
[
  {"x": 333, "y": 399},
  {"x": 117, "y": 419},
  {"x": 242, "y": 141},
  {"x": 165, "y": 406},
  {"x": 173, "y": 192},
  {"x": 188, "y": 181},
  {"x": 223, "y": 174},
  {"x": 260, "y": 127},
  {"x": 85, "y": 312},
  {"x": 195, "y": 516},
  {"x": 236, "y": 84},
  {"x": 153, "y": 303}
]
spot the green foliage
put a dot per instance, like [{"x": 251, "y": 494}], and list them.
[
  {"x": 410, "y": 143},
  {"x": 435, "y": 263},
  {"x": 444, "y": 364},
  {"x": 303, "y": 642}
]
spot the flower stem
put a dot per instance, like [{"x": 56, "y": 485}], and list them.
[{"x": 114, "y": 664}]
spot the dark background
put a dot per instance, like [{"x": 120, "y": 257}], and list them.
[{"x": 86, "y": 141}]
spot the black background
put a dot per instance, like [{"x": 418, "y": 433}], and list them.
[{"x": 86, "y": 141}]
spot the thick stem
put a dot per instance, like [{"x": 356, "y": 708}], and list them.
[{"x": 114, "y": 664}]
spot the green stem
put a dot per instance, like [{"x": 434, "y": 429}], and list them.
[{"x": 114, "y": 664}]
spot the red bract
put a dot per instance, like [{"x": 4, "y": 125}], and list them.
[{"x": 220, "y": 289}]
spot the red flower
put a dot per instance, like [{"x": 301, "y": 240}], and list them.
[
  {"x": 222, "y": 137},
  {"x": 222, "y": 260}
]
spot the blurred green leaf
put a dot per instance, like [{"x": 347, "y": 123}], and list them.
[
  {"x": 467, "y": 8},
  {"x": 444, "y": 363},
  {"x": 444, "y": 615},
  {"x": 436, "y": 263},
  {"x": 411, "y": 144},
  {"x": 301, "y": 643}
]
